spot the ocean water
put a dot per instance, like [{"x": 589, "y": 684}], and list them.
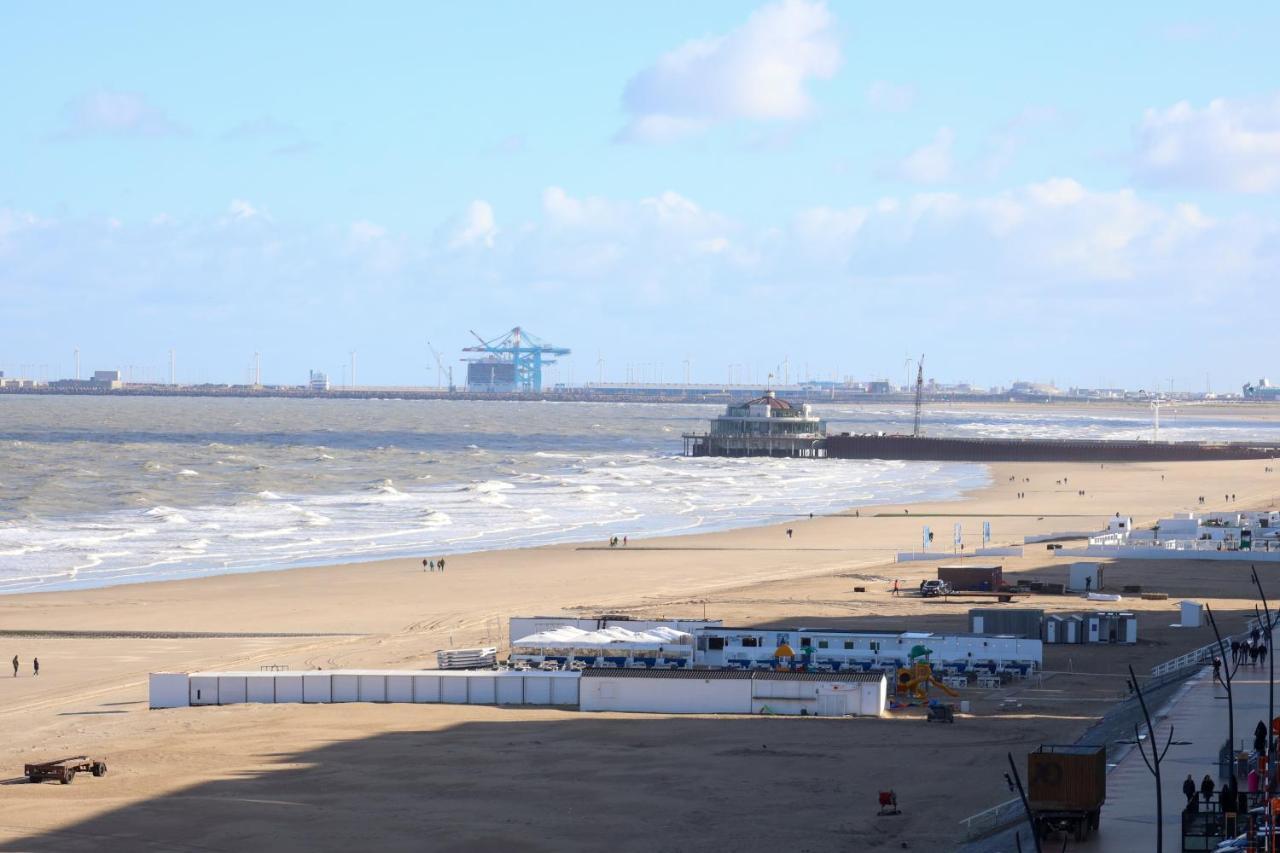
[{"x": 98, "y": 491}]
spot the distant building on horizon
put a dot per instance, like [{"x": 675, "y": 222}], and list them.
[
  {"x": 318, "y": 381},
  {"x": 1264, "y": 390}
]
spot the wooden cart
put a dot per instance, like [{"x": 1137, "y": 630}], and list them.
[{"x": 64, "y": 769}]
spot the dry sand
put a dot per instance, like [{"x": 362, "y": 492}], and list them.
[{"x": 478, "y": 778}]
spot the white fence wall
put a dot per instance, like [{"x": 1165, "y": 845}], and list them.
[
  {"x": 175, "y": 690},
  {"x": 666, "y": 695}
]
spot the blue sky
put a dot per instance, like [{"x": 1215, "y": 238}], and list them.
[{"x": 1083, "y": 194}]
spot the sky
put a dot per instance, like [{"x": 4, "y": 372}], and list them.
[{"x": 1085, "y": 194}]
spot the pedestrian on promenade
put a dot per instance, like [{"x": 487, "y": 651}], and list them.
[
  {"x": 1206, "y": 787},
  {"x": 1189, "y": 788},
  {"x": 1217, "y": 672},
  {"x": 1262, "y": 653},
  {"x": 1235, "y": 652}
]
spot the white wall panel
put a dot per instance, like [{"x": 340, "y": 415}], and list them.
[
  {"x": 346, "y": 688},
  {"x": 399, "y": 688},
  {"x": 373, "y": 688},
  {"x": 453, "y": 689},
  {"x": 426, "y": 688},
  {"x": 231, "y": 689},
  {"x": 317, "y": 688},
  {"x": 288, "y": 688}
]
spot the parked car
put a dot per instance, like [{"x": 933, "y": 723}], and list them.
[{"x": 934, "y": 587}]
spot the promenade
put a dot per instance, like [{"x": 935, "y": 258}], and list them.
[{"x": 1197, "y": 715}]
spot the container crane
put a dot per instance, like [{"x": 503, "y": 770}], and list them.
[{"x": 525, "y": 352}]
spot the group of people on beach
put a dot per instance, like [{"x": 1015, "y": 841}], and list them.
[
  {"x": 35, "y": 666},
  {"x": 432, "y": 565},
  {"x": 615, "y": 541}
]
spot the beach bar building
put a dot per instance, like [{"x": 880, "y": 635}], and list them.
[
  {"x": 765, "y": 426},
  {"x": 835, "y": 650}
]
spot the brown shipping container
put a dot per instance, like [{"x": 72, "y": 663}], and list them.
[
  {"x": 1067, "y": 778},
  {"x": 989, "y": 578}
]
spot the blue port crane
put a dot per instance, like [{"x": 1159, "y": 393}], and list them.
[{"x": 527, "y": 352}]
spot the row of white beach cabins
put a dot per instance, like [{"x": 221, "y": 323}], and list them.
[{"x": 705, "y": 668}]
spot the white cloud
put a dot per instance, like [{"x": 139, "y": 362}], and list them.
[
  {"x": 241, "y": 210},
  {"x": 899, "y": 258},
  {"x": 891, "y": 97},
  {"x": 932, "y": 162},
  {"x": 115, "y": 113},
  {"x": 478, "y": 227},
  {"x": 1228, "y": 145},
  {"x": 758, "y": 71},
  {"x": 366, "y": 232}
]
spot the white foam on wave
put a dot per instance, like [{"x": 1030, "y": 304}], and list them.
[{"x": 575, "y": 497}]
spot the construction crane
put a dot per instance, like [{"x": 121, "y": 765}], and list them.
[
  {"x": 524, "y": 351},
  {"x": 919, "y": 394},
  {"x": 441, "y": 369}
]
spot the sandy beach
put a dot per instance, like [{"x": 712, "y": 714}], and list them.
[{"x": 477, "y": 778}]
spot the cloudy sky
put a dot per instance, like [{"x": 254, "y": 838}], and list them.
[{"x": 1085, "y": 193}]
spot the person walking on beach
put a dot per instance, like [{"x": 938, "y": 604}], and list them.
[
  {"x": 433, "y": 565},
  {"x": 895, "y": 587},
  {"x": 424, "y": 564},
  {"x": 789, "y": 531},
  {"x": 15, "y": 666},
  {"x": 624, "y": 541},
  {"x": 35, "y": 666},
  {"x": 440, "y": 563}
]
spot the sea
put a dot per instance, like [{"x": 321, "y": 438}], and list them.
[{"x": 96, "y": 491}]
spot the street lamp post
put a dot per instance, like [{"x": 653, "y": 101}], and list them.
[
  {"x": 1228, "y": 670},
  {"x": 1157, "y": 755}
]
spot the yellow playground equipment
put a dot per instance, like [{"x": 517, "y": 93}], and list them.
[{"x": 915, "y": 679}]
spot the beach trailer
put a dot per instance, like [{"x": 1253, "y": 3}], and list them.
[
  {"x": 1084, "y": 577},
  {"x": 972, "y": 578},
  {"x": 1016, "y": 622},
  {"x": 1060, "y": 629},
  {"x": 1111, "y": 627}
]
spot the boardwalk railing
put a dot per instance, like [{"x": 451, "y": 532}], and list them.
[
  {"x": 996, "y": 817},
  {"x": 1204, "y": 654}
]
